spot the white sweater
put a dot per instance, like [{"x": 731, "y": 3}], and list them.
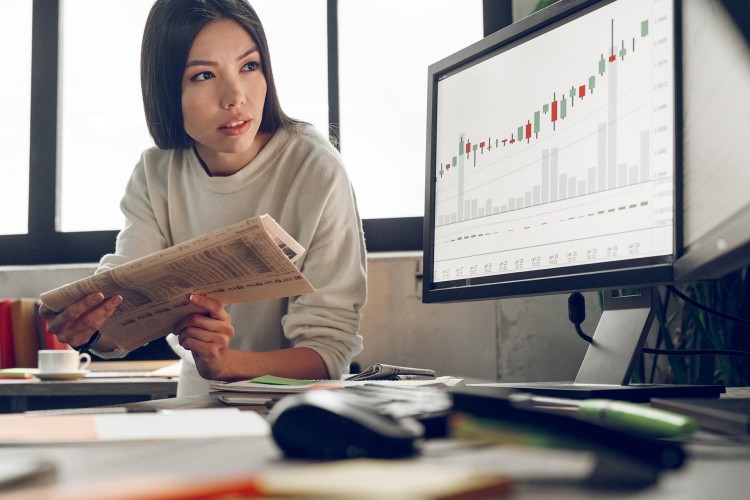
[{"x": 298, "y": 178}]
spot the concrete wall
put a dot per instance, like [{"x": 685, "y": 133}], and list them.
[{"x": 511, "y": 340}]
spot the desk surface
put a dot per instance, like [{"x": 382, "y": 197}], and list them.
[
  {"x": 717, "y": 467},
  {"x": 22, "y": 395}
]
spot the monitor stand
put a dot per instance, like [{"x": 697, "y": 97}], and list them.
[{"x": 608, "y": 364}]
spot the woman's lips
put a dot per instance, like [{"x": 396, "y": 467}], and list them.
[{"x": 235, "y": 127}]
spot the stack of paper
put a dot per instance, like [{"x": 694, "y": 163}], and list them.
[{"x": 260, "y": 390}]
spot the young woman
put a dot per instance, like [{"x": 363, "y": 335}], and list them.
[{"x": 227, "y": 152}]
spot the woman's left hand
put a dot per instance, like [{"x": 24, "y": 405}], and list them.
[{"x": 207, "y": 336}]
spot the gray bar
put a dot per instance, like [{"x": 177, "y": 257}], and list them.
[
  {"x": 545, "y": 175},
  {"x": 622, "y": 175},
  {"x": 553, "y": 176},
  {"x": 645, "y": 156},
  {"x": 602, "y": 157},
  {"x": 612, "y": 127},
  {"x": 462, "y": 139}
]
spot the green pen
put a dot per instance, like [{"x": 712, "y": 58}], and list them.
[{"x": 637, "y": 418}]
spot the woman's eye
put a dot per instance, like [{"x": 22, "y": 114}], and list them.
[
  {"x": 205, "y": 75},
  {"x": 251, "y": 66}
]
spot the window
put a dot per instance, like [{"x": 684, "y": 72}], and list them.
[
  {"x": 15, "y": 96},
  {"x": 103, "y": 130},
  {"x": 385, "y": 48},
  {"x": 334, "y": 61},
  {"x": 102, "y": 126}
]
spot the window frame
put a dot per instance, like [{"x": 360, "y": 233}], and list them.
[{"x": 44, "y": 244}]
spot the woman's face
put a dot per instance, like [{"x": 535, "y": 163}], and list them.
[{"x": 223, "y": 91}]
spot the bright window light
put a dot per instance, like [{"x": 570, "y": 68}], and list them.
[
  {"x": 385, "y": 48},
  {"x": 15, "y": 99}
]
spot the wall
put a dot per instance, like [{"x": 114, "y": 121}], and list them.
[{"x": 512, "y": 340}]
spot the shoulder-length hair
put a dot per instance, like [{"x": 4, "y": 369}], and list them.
[{"x": 171, "y": 29}]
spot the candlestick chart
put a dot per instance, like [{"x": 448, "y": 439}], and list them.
[{"x": 561, "y": 150}]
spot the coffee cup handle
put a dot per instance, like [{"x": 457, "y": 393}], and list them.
[{"x": 85, "y": 360}]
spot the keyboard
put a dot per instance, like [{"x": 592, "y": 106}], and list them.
[{"x": 430, "y": 405}]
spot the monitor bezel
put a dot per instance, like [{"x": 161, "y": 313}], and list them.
[{"x": 641, "y": 272}]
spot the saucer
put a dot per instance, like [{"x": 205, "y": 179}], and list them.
[{"x": 75, "y": 375}]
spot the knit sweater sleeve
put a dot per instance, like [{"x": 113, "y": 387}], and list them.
[{"x": 335, "y": 264}]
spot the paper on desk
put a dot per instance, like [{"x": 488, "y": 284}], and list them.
[
  {"x": 367, "y": 478},
  {"x": 294, "y": 386},
  {"x": 177, "y": 424},
  {"x": 169, "y": 371}
]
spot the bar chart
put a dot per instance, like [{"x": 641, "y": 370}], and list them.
[{"x": 560, "y": 151}]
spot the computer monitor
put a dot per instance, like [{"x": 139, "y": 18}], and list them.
[
  {"x": 716, "y": 199},
  {"x": 553, "y": 166}
]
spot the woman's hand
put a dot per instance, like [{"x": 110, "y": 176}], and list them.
[
  {"x": 207, "y": 336},
  {"x": 75, "y": 324}
]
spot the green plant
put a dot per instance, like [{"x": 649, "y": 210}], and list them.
[{"x": 684, "y": 326}]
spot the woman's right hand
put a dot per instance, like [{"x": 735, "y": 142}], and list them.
[{"x": 75, "y": 324}]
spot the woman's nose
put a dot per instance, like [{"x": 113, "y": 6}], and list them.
[{"x": 233, "y": 96}]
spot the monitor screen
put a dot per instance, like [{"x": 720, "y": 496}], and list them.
[
  {"x": 551, "y": 158},
  {"x": 553, "y": 166}
]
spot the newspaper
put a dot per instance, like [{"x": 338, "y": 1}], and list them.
[
  {"x": 381, "y": 371},
  {"x": 247, "y": 261}
]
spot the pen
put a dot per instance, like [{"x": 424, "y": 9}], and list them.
[
  {"x": 104, "y": 410},
  {"x": 638, "y": 418}
]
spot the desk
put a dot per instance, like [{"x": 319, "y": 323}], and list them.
[
  {"x": 714, "y": 470},
  {"x": 21, "y": 395}
]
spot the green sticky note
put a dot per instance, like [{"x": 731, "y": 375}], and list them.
[{"x": 273, "y": 380}]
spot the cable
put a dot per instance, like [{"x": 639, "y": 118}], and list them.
[
  {"x": 700, "y": 306},
  {"x": 577, "y": 313},
  {"x": 696, "y": 352}
]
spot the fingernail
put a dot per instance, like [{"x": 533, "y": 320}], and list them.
[{"x": 117, "y": 299}]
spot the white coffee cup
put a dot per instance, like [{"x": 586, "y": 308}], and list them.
[{"x": 62, "y": 361}]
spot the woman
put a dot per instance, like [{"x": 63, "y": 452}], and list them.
[{"x": 226, "y": 152}]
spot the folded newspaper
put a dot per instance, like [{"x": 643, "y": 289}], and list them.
[
  {"x": 382, "y": 371},
  {"x": 247, "y": 261}
]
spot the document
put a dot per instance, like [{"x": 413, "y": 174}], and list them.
[
  {"x": 247, "y": 261},
  {"x": 204, "y": 423},
  {"x": 261, "y": 389}
]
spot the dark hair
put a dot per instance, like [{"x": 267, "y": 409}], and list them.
[{"x": 170, "y": 31}]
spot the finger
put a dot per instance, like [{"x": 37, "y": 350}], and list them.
[
  {"x": 74, "y": 310},
  {"x": 199, "y": 341},
  {"x": 78, "y": 309},
  {"x": 214, "y": 308},
  {"x": 102, "y": 313},
  {"x": 76, "y": 320},
  {"x": 197, "y": 333}
]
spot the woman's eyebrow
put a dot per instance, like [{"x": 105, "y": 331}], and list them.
[
  {"x": 248, "y": 52},
  {"x": 202, "y": 62}
]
